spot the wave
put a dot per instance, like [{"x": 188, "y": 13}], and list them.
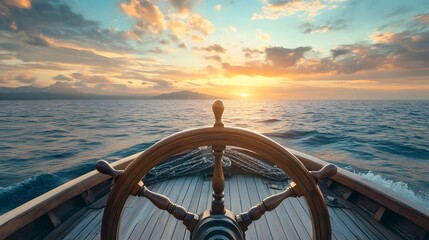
[
  {"x": 15, "y": 195},
  {"x": 293, "y": 134},
  {"x": 397, "y": 186},
  {"x": 271, "y": 120},
  {"x": 312, "y": 138},
  {"x": 401, "y": 149},
  {"x": 323, "y": 139}
]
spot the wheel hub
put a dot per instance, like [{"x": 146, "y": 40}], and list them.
[{"x": 215, "y": 226}]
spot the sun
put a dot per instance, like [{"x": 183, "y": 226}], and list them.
[{"x": 244, "y": 95}]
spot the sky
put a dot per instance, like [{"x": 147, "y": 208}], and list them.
[{"x": 256, "y": 49}]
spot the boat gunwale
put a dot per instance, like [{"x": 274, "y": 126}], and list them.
[
  {"x": 384, "y": 196},
  {"x": 28, "y": 212},
  {"x": 19, "y": 217}
]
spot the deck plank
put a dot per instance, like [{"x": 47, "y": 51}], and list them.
[
  {"x": 152, "y": 225},
  {"x": 290, "y": 221},
  {"x": 245, "y": 203},
  {"x": 353, "y": 225},
  {"x": 179, "y": 187},
  {"x": 82, "y": 225},
  {"x": 150, "y": 215},
  {"x": 193, "y": 207},
  {"x": 133, "y": 208},
  {"x": 372, "y": 224},
  {"x": 180, "y": 229},
  {"x": 186, "y": 189},
  {"x": 272, "y": 220},
  {"x": 142, "y": 220},
  {"x": 91, "y": 226},
  {"x": 262, "y": 223}
]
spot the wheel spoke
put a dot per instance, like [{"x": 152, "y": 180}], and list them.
[
  {"x": 268, "y": 204},
  {"x": 162, "y": 202}
]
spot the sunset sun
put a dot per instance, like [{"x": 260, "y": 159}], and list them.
[{"x": 244, "y": 95}]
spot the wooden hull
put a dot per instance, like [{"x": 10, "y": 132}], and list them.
[{"x": 61, "y": 207}]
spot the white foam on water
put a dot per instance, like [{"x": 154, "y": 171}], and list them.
[{"x": 397, "y": 186}]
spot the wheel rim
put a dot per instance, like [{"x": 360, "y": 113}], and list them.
[{"x": 191, "y": 139}]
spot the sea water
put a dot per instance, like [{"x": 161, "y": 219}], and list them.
[{"x": 44, "y": 144}]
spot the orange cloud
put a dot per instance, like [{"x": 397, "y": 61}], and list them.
[
  {"x": 178, "y": 29},
  {"x": 199, "y": 24},
  {"x": 423, "y": 18},
  {"x": 383, "y": 37},
  {"x": 264, "y": 36},
  {"x": 196, "y": 27},
  {"x": 149, "y": 16},
  {"x": 18, "y": 3}
]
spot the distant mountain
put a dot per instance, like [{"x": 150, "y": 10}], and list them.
[
  {"x": 64, "y": 91},
  {"x": 55, "y": 91},
  {"x": 183, "y": 95}
]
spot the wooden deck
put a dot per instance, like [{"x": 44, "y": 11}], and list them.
[{"x": 141, "y": 220}]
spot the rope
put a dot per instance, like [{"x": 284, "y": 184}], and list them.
[{"x": 202, "y": 159}]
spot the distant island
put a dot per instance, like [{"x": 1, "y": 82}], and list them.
[{"x": 58, "y": 92}]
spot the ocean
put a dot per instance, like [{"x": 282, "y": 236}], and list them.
[{"x": 44, "y": 144}]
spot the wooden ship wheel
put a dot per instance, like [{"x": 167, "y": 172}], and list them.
[{"x": 216, "y": 222}]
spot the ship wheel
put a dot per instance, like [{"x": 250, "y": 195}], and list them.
[{"x": 217, "y": 222}]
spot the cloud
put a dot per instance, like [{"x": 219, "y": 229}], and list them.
[
  {"x": 213, "y": 48},
  {"x": 398, "y": 11},
  {"x": 152, "y": 82},
  {"x": 46, "y": 17},
  {"x": 61, "y": 77},
  {"x": 196, "y": 38},
  {"x": 3, "y": 79},
  {"x": 90, "y": 79},
  {"x": 161, "y": 84},
  {"x": 55, "y": 55},
  {"x": 424, "y": 18},
  {"x": 25, "y": 78},
  {"x": 285, "y": 57},
  {"x": 339, "y": 52},
  {"x": 252, "y": 52},
  {"x": 40, "y": 40},
  {"x": 218, "y": 7},
  {"x": 164, "y": 42},
  {"x": 383, "y": 37},
  {"x": 216, "y": 58},
  {"x": 201, "y": 25},
  {"x": 6, "y": 5},
  {"x": 149, "y": 17},
  {"x": 182, "y": 5},
  {"x": 178, "y": 29},
  {"x": 232, "y": 29},
  {"x": 156, "y": 83},
  {"x": 13, "y": 26},
  {"x": 329, "y": 26},
  {"x": 156, "y": 50},
  {"x": 307, "y": 8},
  {"x": 406, "y": 51},
  {"x": 194, "y": 26},
  {"x": 264, "y": 36},
  {"x": 17, "y": 3}
]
